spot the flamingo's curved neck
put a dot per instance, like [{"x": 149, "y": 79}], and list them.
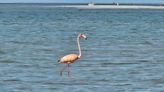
[{"x": 78, "y": 44}]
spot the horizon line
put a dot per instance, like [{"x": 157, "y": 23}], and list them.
[{"x": 71, "y": 3}]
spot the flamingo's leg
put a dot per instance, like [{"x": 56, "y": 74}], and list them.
[
  {"x": 63, "y": 69},
  {"x": 68, "y": 65}
]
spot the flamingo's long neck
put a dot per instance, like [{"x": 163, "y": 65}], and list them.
[{"x": 78, "y": 44}]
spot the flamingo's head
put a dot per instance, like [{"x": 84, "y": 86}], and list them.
[{"x": 82, "y": 36}]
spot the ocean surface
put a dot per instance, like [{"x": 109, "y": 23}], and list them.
[{"x": 124, "y": 51}]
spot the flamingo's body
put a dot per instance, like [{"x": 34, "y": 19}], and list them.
[{"x": 70, "y": 58}]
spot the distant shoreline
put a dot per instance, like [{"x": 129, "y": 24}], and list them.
[
  {"x": 112, "y": 7},
  {"x": 129, "y": 4},
  {"x": 93, "y": 5}
]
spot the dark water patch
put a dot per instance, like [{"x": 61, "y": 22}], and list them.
[
  {"x": 144, "y": 61},
  {"x": 148, "y": 43},
  {"x": 7, "y": 61},
  {"x": 34, "y": 78},
  {"x": 75, "y": 83},
  {"x": 105, "y": 64},
  {"x": 123, "y": 84},
  {"x": 25, "y": 65},
  {"x": 8, "y": 23},
  {"x": 52, "y": 88},
  {"x": 83, "y": 66},
  {"x": 28, "y": 42},
  {"x": 2, "y": 52},
  {"x": 133, "y": 72},
  {"x": 12, "y": 80},
  {"x": 64, "y": 83},
  {"x": 49, "y": 83},
  {"x": 34, "y": 82},
  {"x": 86, "y": 65},
  {"x": 21, "y": 42},
  {"x": 158, "y": 81},
  {"x": 22, "y": 88},
  {"x": 160, "y": 61},
  {"x": 40, "y": 59},
  {"x": 47, "y": 50},
  {"x": 103, "y": 80}
]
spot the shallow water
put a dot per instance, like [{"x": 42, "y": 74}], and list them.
[{"x": 124, "y": 51}]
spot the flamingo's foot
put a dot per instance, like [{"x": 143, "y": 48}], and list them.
[{"x": 61, "y": 73}]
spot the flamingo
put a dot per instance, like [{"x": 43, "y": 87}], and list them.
[{"x": 71, "y": 58}]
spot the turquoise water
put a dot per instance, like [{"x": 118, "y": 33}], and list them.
[{"x": 124, "y": 51}]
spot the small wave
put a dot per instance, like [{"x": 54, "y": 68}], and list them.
[
  {"x": 7, "y": 61},
  {"x": 118, "y": 63},
  {"x": 11, "y": 80}
]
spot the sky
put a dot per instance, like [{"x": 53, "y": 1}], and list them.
[{"x": 81, "y": 1}]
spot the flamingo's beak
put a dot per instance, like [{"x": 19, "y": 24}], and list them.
[{"x": 83, "y": 36}]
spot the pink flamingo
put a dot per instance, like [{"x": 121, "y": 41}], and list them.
[{"x": 71, "y": 58}]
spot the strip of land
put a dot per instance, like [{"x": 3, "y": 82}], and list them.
[{"x": 112, "y": 6}]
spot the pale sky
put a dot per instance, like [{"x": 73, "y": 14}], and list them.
[{"x": 81, "y": 1}]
